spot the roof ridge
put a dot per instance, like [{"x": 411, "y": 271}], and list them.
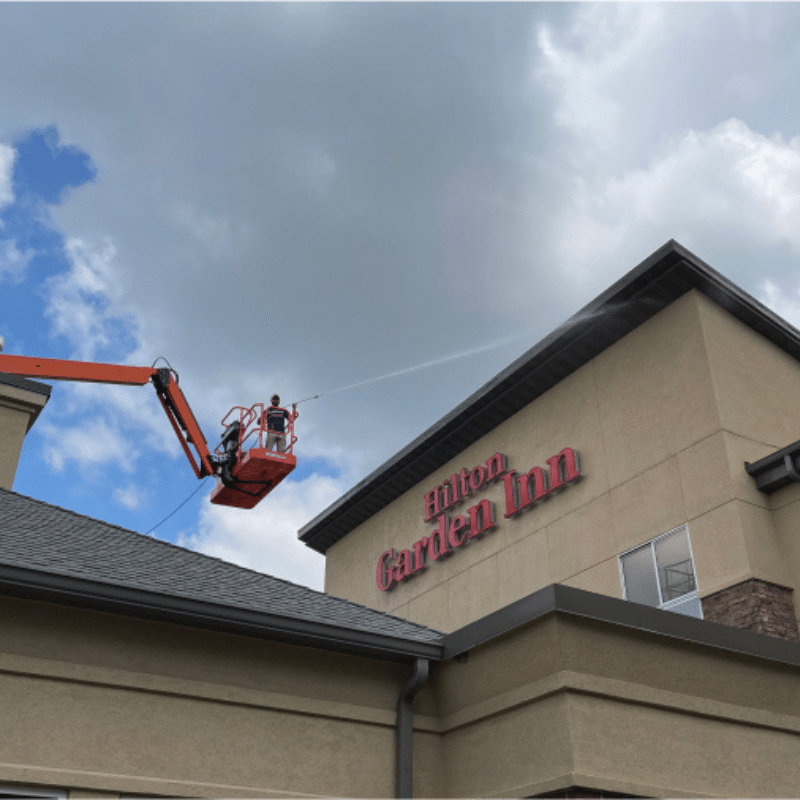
[{"x": 215, "y": 558}]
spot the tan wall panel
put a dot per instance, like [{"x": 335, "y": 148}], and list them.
[
  {"x": 431, "y": 609},
  {"x": 680, "y": 754},
  {"x": 786, "y": 518},
  {"x": 603, "y": 578},
  {"x": 500, "y": 755},
  {"x": 429, "y": 778},
  {"x": 101, "y": 730},
  {"x": 95, "y": 639},
  {"x": 474, "y": 593},
  {"x": 523, "y": 568},
  {"x": 621, "y": 687},
  {"x": 755, "y": 382},
  {"x": 660, "y": 662},
  {"x": 164, "y": 704},
  {"x": 581, "y": 539},
  {"x": 705, "y": 475},
  {"x": 718, "y": 546},
  {"x": 740, "y": 450},
  {"x": 647, "y": 505},
  {"x": 763, "y": 550},
  {"x": 655, "y": 391},
  {"x": 13, "y": 425},
  {"x": 19, "y": 409},
  {"x": 527, "y": 655}
]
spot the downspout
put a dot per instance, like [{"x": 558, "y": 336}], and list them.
[{"x": 405, "y": 728}]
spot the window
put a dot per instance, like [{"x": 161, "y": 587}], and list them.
[{"x": 661, "y": 574}]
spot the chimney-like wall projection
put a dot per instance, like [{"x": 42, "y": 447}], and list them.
[{"x": 21, "y": 401}]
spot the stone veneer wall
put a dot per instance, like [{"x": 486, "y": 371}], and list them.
[{"x": 755, "y": 605}]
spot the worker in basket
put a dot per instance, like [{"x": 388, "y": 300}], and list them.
[{"x": 275, "y": 420}]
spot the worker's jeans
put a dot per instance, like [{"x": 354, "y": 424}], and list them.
[{"x": 277, "y": 439}]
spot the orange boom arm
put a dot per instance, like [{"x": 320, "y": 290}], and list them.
[{"x": 166, "y": 385}]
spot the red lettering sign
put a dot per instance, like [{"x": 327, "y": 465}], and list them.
[
  {"x": 521, "y": 492},
  {"x": 383, "y": 575}
]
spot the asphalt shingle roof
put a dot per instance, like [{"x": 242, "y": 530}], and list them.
[
  {"x": 37, "y": 536},
  {"x": 24, "y": 383}
]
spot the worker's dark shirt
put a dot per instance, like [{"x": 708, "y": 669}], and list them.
[{"x": 275, "y": 417}]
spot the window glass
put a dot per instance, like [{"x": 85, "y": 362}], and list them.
[
  {"x": 690, "y": 607},
  {"x": 640, "y": 577},
  {"x": 674, "y": 560}
]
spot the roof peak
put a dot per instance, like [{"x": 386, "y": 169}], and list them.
[{"x": 640, "y": 294}]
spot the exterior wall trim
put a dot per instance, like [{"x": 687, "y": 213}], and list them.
[
  {"x": 577, "y": 602},
  {"x": 567, "y": 681}
]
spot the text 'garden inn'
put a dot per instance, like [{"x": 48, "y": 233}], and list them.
[{"x": 521, "y": 492}]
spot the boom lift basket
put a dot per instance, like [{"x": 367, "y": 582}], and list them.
[
  {"x": 252, "y": 472},
  {"x": 246, "y": 476}
]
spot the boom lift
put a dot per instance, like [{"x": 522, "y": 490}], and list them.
[{"x": 245, "y": 476}]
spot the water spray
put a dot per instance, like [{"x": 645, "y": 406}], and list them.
[{"x": 425, "y": 365}]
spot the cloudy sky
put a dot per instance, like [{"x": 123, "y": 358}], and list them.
[{"x": 303, "y": 197}]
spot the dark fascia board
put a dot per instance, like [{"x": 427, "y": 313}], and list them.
[
  {"x": 569, "y": 601},
  {"x": 47, "y": 587},
  {"x": 657, "y": 282},
  {"x": 774, "y": 471},
  {"x": 25, "y": 383}
]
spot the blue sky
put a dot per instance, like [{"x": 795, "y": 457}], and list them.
[
  {"x": 45, "y": 171},
  {"x": 301, "y": 197}
]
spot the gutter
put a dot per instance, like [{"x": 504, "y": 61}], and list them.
[
  {"x": 776, "y": 470},
  {"x": 116, "y": 599},
  {"x": 405, "y": 729}
]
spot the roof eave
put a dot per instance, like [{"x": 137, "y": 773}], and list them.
[{"x": 66, "y": 590}]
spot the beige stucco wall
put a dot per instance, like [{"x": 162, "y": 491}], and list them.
[
  {"x": 18, "y": 410},
  {"x": 785, "y": 505},
  {"x": 104, "y": 706},
  {"x": 564, "y": 701},
  {"x": 663, "y": 422},
  {"x": 108, "y": 704}
]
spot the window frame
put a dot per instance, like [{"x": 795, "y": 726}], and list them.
[{"x": 669, "y": 604}]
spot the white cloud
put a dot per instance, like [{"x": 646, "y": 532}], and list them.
[
  {"x": 83, "y": 306},
  {"x": 129, "y": 496},
  {"x": 92, "y": 443},
  {"x": 730, "y": 179},
  {"x": 79, "y": 300},
  {"x": 604, "y": 41},
  {"x": 218, "y": 235},
  {"x": 313, "y": 165},
  {"x": 785, "y": 306},
  {"x": 7, "y": 158},
  {"x": 13, "y": 261},
  {"x": 265, "y": 538}
]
